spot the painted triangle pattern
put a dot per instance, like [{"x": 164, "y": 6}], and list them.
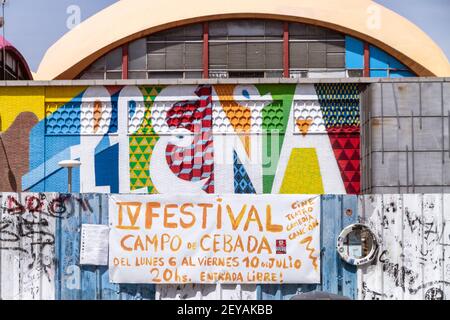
[
  {"x": 340, "y": 105},
  {"x": 242, "y": 182},
  {"x": 347, "y": 153},
  {"x": 141, "y": 149},
  {"x": 150, "y": 94},
  {"x": 142, "y": 143}
]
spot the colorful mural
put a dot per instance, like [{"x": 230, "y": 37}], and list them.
[{"x": 183, "y": 139}]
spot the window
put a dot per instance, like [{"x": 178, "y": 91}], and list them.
[
  {"x": 315, "y": 50},
  {"x": 107, "y": 67},
  {"x": 172, "y": 54},
  {"x": 246, "y": 48}
]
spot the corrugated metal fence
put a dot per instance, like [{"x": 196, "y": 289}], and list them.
[{"x": 40, "y": 239}]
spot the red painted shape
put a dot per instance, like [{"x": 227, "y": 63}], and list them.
[
  {"x": 196, "y": 161},
  {"x": 366, "y": 72},
  {"x": 286, "y": 50},
  {"x": 205, "y": 50},
  {"x": 125, "y": 62},
  {"x": 346, "y": 150}
]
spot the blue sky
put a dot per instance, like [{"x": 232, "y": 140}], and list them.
[{"x": 34, "y": 25}]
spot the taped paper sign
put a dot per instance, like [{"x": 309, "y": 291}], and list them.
[{"x": 214, "y": 239}]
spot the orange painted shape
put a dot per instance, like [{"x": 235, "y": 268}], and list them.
[
  {"x": 304, "y": 125},
  {"x": 238, "y": 115},
  {"x": 97, "y": 115}
]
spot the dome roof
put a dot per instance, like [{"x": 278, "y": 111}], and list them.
[
  {"x": 128, "y": 20},
  {"x": 5, "y": 44}
]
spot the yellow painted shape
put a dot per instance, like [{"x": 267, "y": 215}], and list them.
[
  {"x": 15, "y": 100},
  {"x": 38, "y": 100},
  {"x": 303, "y": 125},
  {"x": 302, "y": 174},
  {"x": 62, "y": 94},
  {"x": 239, "y": 116}
]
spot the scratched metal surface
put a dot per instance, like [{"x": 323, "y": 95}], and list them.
[
  {"x": 39, "y": 251},
  {"x": 414, "y": 257}
]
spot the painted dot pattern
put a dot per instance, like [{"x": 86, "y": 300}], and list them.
[
  {"x": 309, "y": 114},
  {"x": 76, "y": 118},
  {"x": 340, "y": 106},
  {"x": 241, "y": 117},
  {"x": 149, "y": 119}
]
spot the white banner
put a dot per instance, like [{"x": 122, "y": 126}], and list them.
[{"x": 214, "y": 239}]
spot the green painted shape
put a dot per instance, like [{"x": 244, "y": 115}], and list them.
[
  {"x": 282, "y": 96},
  {"x": 133, "y": 149}
]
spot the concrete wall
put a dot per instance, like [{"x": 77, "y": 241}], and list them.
[{"x": 405, "y": 137}]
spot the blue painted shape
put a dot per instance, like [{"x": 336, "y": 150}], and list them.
[
  {"x": 90, "y": 275},
  {"x": 378, "y": 73},
  {"x": 107, "y": 165},
  {"x": 108, "y": 290},
  {"x": 378, "y": 58},
  {"x": 242, "y": 182},
  {"x": 55, "y": 177},
  {"x": 113, "y": 125},
  {"x": 47, "y": 151},
  {"x": 68, "y": 249},
  {"x": 131, "y": 109},
  {"x": 34, "y": 180},
  {"x": 349, "y": 272},
  {"x": 401, "y": 74},
  {"x": 37, "y": 145},
  {"x": 331, "y": 223},
  {"x": 354, "y": 53},
  {"x": 395, "y": 64},
  {"x": 76, "y": 282}
]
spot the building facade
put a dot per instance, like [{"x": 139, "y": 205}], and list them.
[
  {"x": 13, "y": 66},
  {"x": 251, "y": 97}
]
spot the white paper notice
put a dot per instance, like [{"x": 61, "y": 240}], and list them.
[{"x": 94, "y": 245}]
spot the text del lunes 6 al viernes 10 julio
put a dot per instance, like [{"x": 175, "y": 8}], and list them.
[{"x": 230, "y": 239}]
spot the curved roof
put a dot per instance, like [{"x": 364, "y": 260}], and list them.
[
  {"x": 10, "y": 48},
  {"x": 128, "y": 20}
]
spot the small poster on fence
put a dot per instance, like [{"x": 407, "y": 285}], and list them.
[{"x": 214, "y": 239}]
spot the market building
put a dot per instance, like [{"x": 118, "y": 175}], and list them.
[{"x": 271, "y": 98}]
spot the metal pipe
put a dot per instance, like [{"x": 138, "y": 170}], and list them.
[
  {"x": 69, "y": 170},
  {"x": 382, "y": 123},
  {"x": 4, "y": 46},
  {"x": 420, "y": 104},
  {"x": 412, "y": 152}
]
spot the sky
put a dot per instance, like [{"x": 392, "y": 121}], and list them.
[{"x": 34, "y": 25}]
